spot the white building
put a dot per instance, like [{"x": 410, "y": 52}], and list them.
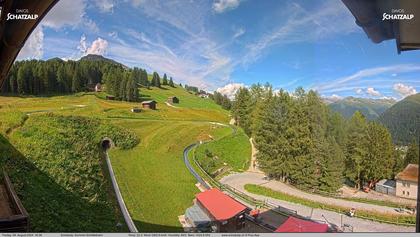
[{"x": 407, "y": 182}]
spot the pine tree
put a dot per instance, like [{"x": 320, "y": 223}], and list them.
[
  {"x": 171, "y": 83},
  {"x": 241, "y": 109},
  {"x": 378, "y": 161},
  {"x": 356, "y": 148},
  {"x": 165, "y": 80}
]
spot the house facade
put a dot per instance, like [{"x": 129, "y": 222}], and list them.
[{"x": 407, "y": 183}]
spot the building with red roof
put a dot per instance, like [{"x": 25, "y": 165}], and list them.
[
  {"x": 226, "y": 213},
  {"x": 295, "y": 225}
]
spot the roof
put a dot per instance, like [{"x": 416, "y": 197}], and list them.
[
  {"x": 197, "y": 215},
  {"x": 294, "y": 224},
  {"x": 369, "y": 16},
  {"x": 148, "y": 102},
  {"x": 410, "y": 173},
  {"x": 387, "y": 183},
  {"x": 220, "y": 205}
]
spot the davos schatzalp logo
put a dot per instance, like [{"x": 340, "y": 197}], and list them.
[
  {"x": 21, "y": 14},
  {"x": 397, "y": 14}
]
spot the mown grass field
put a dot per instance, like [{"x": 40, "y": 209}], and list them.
[
  {"x": 155, "y": 183},
  {"x": 231, "y": 153}
]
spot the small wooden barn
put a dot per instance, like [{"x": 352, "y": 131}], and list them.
[
  {"x": 173, "y": 100},
  {"x": 13, "y": 216},
  {"x": 149, "y": 104},
  {"x": 110, "y": 97}
]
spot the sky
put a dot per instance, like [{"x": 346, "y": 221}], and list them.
[{"x": 227, "y": 44}]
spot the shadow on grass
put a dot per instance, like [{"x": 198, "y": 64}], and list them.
[
  {"x": 144, "y": 227},
  {"x": 51, "y": 207}
]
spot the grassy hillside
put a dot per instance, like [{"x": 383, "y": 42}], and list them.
[
  {"x": 403, "y": 119},
  {"x": 154, "y": 180},
  {"x": 56, "y": 166},
  {"x": 370, "y": 108},
  {"x": 51, "y": 147},
  {"x": 231, "y": 153}
]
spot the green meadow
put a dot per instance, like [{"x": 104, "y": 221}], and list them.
[{"x": 51, "y": 149}]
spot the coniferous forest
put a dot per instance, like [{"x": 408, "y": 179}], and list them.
[
  {"x": 302, "y": 142},
  {"x": 55, "y": 76}
]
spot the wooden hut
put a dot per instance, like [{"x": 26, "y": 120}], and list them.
[
  {"x": 150, "y": 104},
  {"x": 110, "y": 97},
  {"x": 173, "y": 100}
]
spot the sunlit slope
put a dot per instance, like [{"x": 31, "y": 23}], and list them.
[
  {"x": 190, "y": 108},
  {"x": 154, "y": 180}
]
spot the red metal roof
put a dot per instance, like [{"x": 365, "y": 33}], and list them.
[
  {"x": 221, "y": 206},
  {"x": 293, "y": 224}
]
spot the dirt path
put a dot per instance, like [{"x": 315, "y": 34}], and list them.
[
  {"x": 253, "y": 167},
  {"x": 171, "y": 105},
  {"x": 239, "y": 180}
]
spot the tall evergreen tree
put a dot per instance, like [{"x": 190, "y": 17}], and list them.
[
  {"x": 171, "y": 83},
  {"x": 165, "y": 80}
]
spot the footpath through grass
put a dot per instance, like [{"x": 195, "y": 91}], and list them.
[{"x": 371, "y": 215}]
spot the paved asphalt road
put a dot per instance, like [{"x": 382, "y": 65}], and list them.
[{"x": 359, "y": 225}]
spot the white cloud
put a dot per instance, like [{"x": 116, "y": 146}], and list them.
[
  {"x": 359, "y": 91},
  {"x": 353, "y": 81},
  {"x": 33, "y": 48},
  {"x": 220, "y": 6},
  {"x": 230, "y": 89},
  {"x": 404, "y": 90},
  {"x": 98, "y": 46},
  {"x": 105, "y": 5},
  {"x": 65, "y": 13},
  {"x": 371, "y": 91},
  {"x": 333, "y": 98},
  {"x": 239, "y": 32}
]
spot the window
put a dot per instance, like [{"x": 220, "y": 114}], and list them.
[
  {"x": 408, "y": 193},
  {"x": 408, "y": 184},
  {"x": 403, "y": 192}
]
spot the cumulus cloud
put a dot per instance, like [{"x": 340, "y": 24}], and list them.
[
  {"x": 230, "y": 89},
  {"x": 371, "y": 91},
  {"x": 333, "y": 98},
  {"x": 98, "y": 46},
  {"x": 404, "y": 90},
  {"x": 33, "y": 48},
  {"x": 220, "y": 6},
  {"x": 359, "y": 91}
]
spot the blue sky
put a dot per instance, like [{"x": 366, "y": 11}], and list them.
[{"x": 226, "y": 44}]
